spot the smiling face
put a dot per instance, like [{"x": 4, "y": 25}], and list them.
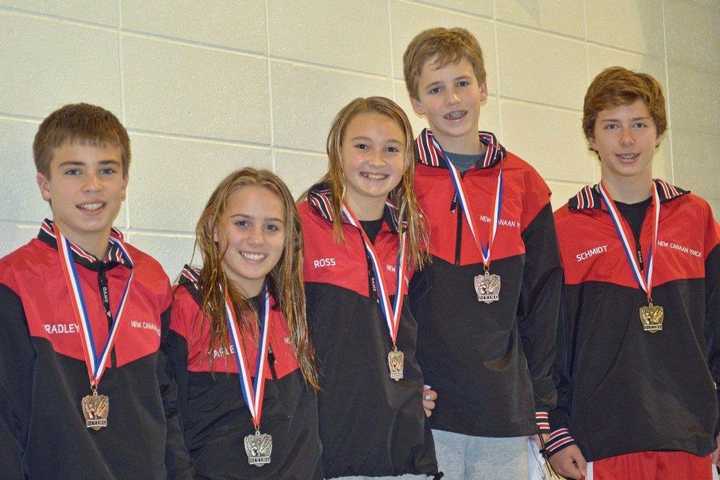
[
  {"x": 625, "y": 138},
  {"x": 85, "y": 187},
  {"x": 373, "y": 161},
  {"x": 251, "y": 232},
  {"x": 450, "y": 98}
]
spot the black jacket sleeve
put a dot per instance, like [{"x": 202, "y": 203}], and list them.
[
  {"x": 17, "y": 359},
  {"x": 539, "y": 307},
  {"x": 177, "y": 458},
  {"x": 712, "y": 304},
  {"x": 560, "y": 436}
]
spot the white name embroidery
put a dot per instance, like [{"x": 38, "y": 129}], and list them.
[
  {"x": 61, "y": 328},
  {"x": 680, "y": 248},
  {"x": 582, "y": 256},
  {"x": 323, "y": 262},
  {"x": 222, "y": 352},
  {"x": 145, "y": 326},
  {"x": 504, "y": 222},
  {"x": 390, "y": 268}
]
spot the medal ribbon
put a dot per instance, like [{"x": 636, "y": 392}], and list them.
[
  {"x": 253, "y": 393},
  {"x": 460, "y": 194},
  {"x": 391, "y": 312},
  {"x": 95, "y": 363},
  {"x": 646, "y": 281}
]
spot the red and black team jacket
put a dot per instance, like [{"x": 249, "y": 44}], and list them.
[
  {"x": 369, "y": 424},
  {"x": 43, "y": 374},
  {"x": 620, "y": 388},
  {"x": 491, "y": 364},
  {"x": 214, "y": 416}
]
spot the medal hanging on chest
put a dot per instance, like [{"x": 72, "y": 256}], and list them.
[
  {"x": 652, "y": 316},
  {"x": 487, "y": 285},
  {"x": 258, "y": 446},
  {"x": 391, "y": 312},
  {"x": 396, "y": 363},
  {"x": 95, "y": 407}
]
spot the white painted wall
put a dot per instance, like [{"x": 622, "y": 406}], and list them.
[{"x": 207, "y": 86}]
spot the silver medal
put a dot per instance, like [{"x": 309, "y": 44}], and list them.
[
  {"x": 258, "y": 447},
  {"x": 487, "y": 287}
]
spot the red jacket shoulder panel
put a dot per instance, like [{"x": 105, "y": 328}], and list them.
[
  {"x": 592, "y": 251},
  {"x": 187, "y": 320},
  {"x": 535, "y": 190},
  {"x": 344, "y": 264},
  {"x": 49, "y": 310},
  {"x": 524, "y": 195}
]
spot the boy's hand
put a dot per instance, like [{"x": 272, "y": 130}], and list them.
[
  {"x": 716, "y": 452},
  {"x": 569, "y": 462},
  {"x": 428, "y": 400}
]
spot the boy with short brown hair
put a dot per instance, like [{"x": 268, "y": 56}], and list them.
[
  {"x": 83, "y": 385},
  {"x": 638, "y": 355},
  {"x": 487, "y": 306}
]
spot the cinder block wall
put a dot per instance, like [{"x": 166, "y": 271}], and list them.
[{"x": 207, "y": 86}]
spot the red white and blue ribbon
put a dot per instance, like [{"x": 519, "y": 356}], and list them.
[
  {"x": 96, "y": 361},
  {"x": 391, "y": 312},
  {"x": 644, "y": 281},
  {"x": 252, "y": 392},
  {"x": 486, "y": 251}
]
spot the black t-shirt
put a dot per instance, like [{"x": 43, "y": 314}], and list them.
[
  {"x": 372, "y": 227},
  {"x": 634, "y": 213}
]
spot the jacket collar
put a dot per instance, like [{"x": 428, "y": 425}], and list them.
[
  {"x": 589, "y": 197},
  {"x": 430, "y": 153},
  {"x": 190, "y": 279},
  {"x": 117, "y": 253},
  {"x": 320, "y": 199}
]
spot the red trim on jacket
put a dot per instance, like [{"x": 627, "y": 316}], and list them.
[
  {"x": 594, "y": 253},
  {"x": 527, "y": 260},
  {"x": 603, "y": 349},
  {"x": 327, "y": 261},
  {"x": 187, "y": 321},
  {"x": 524, "y": 196},
  {"x": 49, "y": 310}
]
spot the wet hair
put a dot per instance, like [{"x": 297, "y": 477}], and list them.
[{"x": 285, "y": 280}]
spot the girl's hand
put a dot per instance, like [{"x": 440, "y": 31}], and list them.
[{"x": 428, "y": 399}]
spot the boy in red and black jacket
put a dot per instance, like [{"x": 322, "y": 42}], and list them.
[
  {"x": 638, "y": 356},
  {"x": 83, "y": 388},
  {"x": 487, "y": 305}
]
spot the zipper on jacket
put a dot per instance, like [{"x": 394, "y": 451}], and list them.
[
  {"x": 458, "y": 232},
  {"x": 458, "y": 236}
]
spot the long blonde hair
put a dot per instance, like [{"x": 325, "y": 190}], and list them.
[
  {"x": 402, "y": 196},
  {"x": 284, "y": 281}
]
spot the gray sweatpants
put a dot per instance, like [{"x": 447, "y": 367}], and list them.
[
  {"x": 464, "y": 457},
  {"x": 401, "y": 477}
]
